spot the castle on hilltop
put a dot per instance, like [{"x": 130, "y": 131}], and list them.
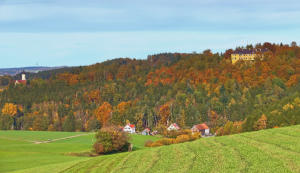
[{"x": 247, "y": 54}]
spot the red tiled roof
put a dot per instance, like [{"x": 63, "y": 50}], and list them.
[
  {"x": 201, "y": 126},
  {"x": 176, "y": 126},
  {"x": 21, "y": 81}
]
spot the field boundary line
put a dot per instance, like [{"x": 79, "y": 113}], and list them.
[{"x": 58, "y": 139}]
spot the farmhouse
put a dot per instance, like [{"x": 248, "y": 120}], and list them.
[
  {"x": 246, "y": 54},
  {"x": 129, "y": 128},
  {"x": 23, "y": 81},
  {"x": 202, "y": 128},
  {"x": 173, "y": 126},
  {"x": 146, "y": 131}
]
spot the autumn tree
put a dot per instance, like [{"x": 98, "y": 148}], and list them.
[
  {"x": 40, "y": 123},
  {"x": 122, "y": 112},
  {"x": 9, "y": 109},
  {"x": 261, "y": 123},
  {"x": 228, "y": 128},
  {"x": 103, "y": 113},
  {"x": 164, "y": 113},
  {"x": 93, "y": 96},
  {"x": 182, "y": 117},
  {"x": 213, "y": 117}
]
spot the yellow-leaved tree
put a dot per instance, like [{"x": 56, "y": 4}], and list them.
[{"x": 9, "y": 109}]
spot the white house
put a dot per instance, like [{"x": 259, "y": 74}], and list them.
[
  {"x": 146, "y": 131},
  {"x": 129, "y": 128},
  {"x": 202, "y": 128},
  {"x": 173, "y": 126}
]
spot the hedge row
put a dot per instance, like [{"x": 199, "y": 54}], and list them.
[{"x": 175, "y": 140}]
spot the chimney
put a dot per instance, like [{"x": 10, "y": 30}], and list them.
[{"x": 23, "y": 76}]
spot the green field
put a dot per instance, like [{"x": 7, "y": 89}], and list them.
[
  {"x": 18, "y": 151},
  {"x": 274, "y": 150}
]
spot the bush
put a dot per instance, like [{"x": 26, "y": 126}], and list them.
[
  {"x": 156, "y": 144},
  {"x": 166, "y": 141},
  {"x": 194, "y": 136},
  {"x": 182, "y": 138},
  {"x": 148, "y": 143},
  {"x": 174, "y": 133},
  {"x": 175, "y": 137},
  {"x": 171, "y": 134},
  {"x": 111, "y": 139}
]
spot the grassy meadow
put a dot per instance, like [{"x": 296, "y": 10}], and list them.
[
  {"x": 19, "y": 153},
  {"x": 274, "y": 150}
]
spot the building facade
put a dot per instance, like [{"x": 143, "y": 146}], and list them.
[
  {"x": 129, "y": 128},
  {"x": 246, "y": 55}
]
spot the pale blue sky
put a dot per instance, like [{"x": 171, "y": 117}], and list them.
[{"x": 73, "y": 32}]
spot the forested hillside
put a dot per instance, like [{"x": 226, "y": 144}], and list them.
[{"x": 164, "y": 88}]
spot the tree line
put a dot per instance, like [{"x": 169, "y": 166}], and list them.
[{"x": 171, "y": 87}]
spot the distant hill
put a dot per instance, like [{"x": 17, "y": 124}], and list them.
[{"x": 36, "y": 69}]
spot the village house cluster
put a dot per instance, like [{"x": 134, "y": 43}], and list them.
[{"x": 201, "y": 128}]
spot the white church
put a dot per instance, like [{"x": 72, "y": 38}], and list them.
[{"x": 22, "y": 81}]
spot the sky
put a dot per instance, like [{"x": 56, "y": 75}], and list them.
[{"x": 76, "y": 32}]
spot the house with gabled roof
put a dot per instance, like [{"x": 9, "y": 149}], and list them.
[
  {"x": 201, "y": 128},
  {"x": 146, "y": 131},
  {"x": 173, "y": 126},
  {"x": 129, "y": 128}
]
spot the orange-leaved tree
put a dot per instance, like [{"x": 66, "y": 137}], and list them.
[{"x": 103, "y": 113}]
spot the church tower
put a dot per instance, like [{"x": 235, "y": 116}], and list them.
[{"x": 23, "y": 76}]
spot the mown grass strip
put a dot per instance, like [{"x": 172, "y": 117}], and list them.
[
  {"x": 261, "y": 158},
  {"x": 291, "y": 159}
]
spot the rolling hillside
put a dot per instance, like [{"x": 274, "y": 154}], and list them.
[
  {"x": 192, "y": 87},
  {"x": 274, "y": 150}
]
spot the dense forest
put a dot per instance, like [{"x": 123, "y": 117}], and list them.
[{"x": 171, "y": 87}]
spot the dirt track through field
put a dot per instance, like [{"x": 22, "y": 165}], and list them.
[{"x": 58, "y": 139}]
